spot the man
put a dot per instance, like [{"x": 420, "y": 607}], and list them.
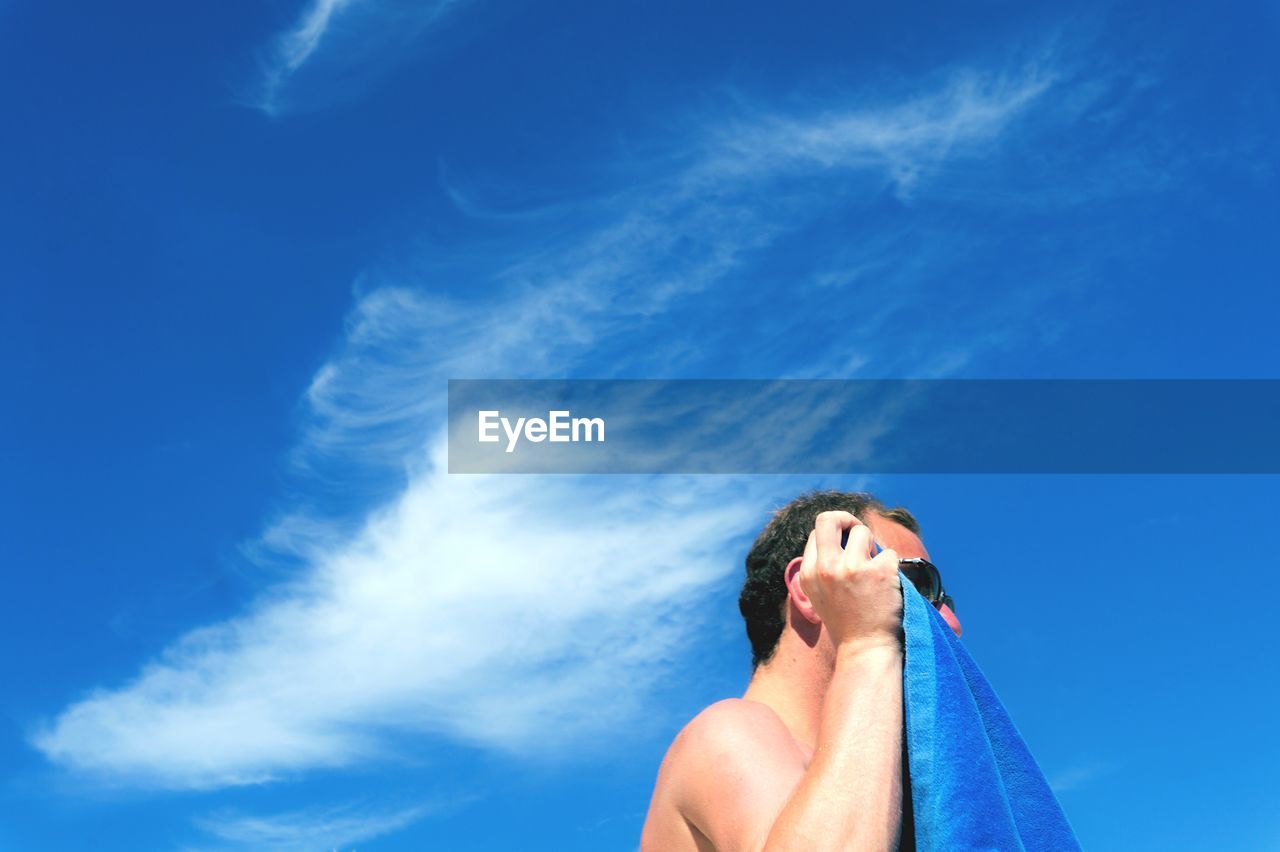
[{"x": 810, "y": 758}]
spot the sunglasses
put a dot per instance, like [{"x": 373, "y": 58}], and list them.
[{"x": 922, "y": 573}]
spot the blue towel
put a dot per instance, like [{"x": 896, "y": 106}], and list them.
[{"x": 973, "y": 785}]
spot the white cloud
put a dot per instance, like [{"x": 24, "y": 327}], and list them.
[
  {"x": 305, "y": 830},
  {"x": 512, "y": 613},
  {"x": 518, "y": 613},
  {"x": 297, "y": 45},
  {"x": 349, "y": 37},
  {"x": 1074, "y": 777},
  {"x": 294, "y": 47},
  {"x": 905, "y": 141}
]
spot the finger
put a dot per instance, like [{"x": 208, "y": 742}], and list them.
[
  {"x": 855, "y": 521},
  {"x": 887, "y": 554},
  {"x": 827, "y": 529},
  {"x": 888, "y": 559},
  {"x": 859, "y": 547}
]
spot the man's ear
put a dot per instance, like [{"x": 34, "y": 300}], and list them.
[{"x": 799, "y": 599}]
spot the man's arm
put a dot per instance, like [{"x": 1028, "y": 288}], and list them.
[
  {"x": 851, "y": 796},
  {"x": 736, "y": 774}
]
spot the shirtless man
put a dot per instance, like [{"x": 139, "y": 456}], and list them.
[{"x": 810, "y": 758}]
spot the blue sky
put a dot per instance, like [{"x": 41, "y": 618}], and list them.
[{"x": 245, "y": 245}]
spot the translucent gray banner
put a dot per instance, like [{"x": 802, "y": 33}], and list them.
[{"x": 865, "y": 426}]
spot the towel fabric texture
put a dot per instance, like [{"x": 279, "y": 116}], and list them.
[{"x": 974, "y": 784}]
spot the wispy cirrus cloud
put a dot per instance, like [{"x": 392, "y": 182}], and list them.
[
  {"x": 904, "y": 142},
  {"x": 297, "y": 45},
  {"x": 521, "y": 613},
  {"x": 346, "y": 43},
  {"x": 333, "y": 827},
  {"x": 1080, "y": 775}
]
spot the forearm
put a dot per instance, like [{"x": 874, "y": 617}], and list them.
[{"x": 850, "y": 797}]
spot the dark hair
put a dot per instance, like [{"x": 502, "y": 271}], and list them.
[{"x": 783, "y": 539}]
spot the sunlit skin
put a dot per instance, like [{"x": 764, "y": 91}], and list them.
[
  {"x": 908, "y": 546},
  {"x": 761, "y": 773}
]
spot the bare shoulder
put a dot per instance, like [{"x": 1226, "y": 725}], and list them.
[
  {"x": 730, "y": 765},
  {"x": 728, "y": 727}
]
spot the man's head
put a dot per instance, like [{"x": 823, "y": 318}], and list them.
[{"x": 781, "y": 543}]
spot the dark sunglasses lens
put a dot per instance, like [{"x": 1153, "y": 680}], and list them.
[{"x": 924, "y": 577}]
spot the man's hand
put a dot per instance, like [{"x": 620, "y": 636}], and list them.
[{"x": 858, "y": 596}]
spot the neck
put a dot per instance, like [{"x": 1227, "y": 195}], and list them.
[{"x": 793, "y": 684}]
